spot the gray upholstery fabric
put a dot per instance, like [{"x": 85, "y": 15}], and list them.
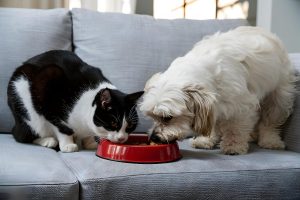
[
  {"x": 200, "y": 174},
  {"x": 33, "y": 171},
  {"x": 26, "y": 33},
  {"x": 131, "y": 48},
  {"x": 41, "y": 191},
  {"x": 291, "y": 130}
]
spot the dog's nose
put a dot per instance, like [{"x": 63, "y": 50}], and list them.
[{"x": 155, "y": 138}]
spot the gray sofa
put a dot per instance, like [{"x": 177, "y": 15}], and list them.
[{"x": 129, "y": 49}]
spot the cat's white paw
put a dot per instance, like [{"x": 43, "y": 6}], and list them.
[
  {"x": 69, "y": 148},
  {"x": 49, "y": 142}
]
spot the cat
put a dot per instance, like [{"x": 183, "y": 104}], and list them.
[{"x": 55, "y": 96}]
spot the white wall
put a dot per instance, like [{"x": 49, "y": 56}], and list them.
[{"x": 281, "y": 17}]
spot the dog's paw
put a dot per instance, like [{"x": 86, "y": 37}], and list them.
[
  {"x": 253, "y": 137},
  {"x": 69, "y": 148},
  {"x": 234, "y": 149},
  {"x": 89, "y": 143},
  {"x": 270, "y": 139},
  {"x": 272, "y": 144},
  {"x": 202, "y": 143},
  {"x": 49, "y": 142}
]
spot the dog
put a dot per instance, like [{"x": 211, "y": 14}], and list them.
[{"x": 230, "y": 88}]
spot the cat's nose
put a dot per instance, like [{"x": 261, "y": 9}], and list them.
[{"x": 122, "y": 139}]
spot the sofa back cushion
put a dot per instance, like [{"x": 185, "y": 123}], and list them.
[
  {"x": 131, "y": 48},
  {"x": 26, "y": 33},
  {"x": 291, "y": 129}
]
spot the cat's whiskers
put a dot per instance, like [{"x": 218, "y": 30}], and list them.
[
  {"x": 119, "y": 117},
  {"x": 103, "y": 122},
  {"x": 133, "y": 117},
  {"x": 115, "y": 118},
  {"x": 134, "y": 120},
  {"x": 132, "y": 109}
]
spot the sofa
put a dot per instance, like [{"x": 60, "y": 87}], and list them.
[{"x": 129, "y": 49}]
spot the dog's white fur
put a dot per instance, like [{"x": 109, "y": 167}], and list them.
[{"x": 229, "y": 86}]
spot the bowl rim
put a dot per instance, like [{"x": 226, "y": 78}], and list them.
[
  {"x": 108, "y": 143},
  {"x": 138, "y": 145},
  {"x": 140, "y": 162}
]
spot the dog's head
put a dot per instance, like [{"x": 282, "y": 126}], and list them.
[{"x": 178, "y": 110}]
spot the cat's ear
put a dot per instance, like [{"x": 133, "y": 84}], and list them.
[
  {"x": 103, "y": 99},
  {"x": 132, "y": 98}
]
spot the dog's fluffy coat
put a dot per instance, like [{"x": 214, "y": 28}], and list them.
[{"x": 228, "y": 87}]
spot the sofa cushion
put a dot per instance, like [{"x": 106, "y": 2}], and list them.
[
  {"x": 34, "y": 172},
  {"x": 26, "y": 33},
  {"x": 292, "y": 126},
  {"x": 200, "y": 174},
  {"x": 131, "y": 48}
]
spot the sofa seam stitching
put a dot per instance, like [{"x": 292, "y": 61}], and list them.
[{"x": 116, "y": 177}]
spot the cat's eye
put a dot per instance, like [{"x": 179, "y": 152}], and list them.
[
  {"x": 130, "y": 125},
  {"x": 114, "y": 124},
  {"x": 167, "y": 119},
  {"x": 109, "y": 108}
]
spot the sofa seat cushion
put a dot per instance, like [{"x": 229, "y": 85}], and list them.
[
  {"x": 34, "y": 172},
  {"x": 24, "y": 34},
  {"x": 200, "y": 174},
  {"x": 131, "y": 48}
]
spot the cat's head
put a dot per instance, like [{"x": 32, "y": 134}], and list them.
[{"x": 115, "y": 115}]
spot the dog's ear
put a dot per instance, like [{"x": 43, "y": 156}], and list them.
[
  {"x": 201, "y": 103},
  {"x": 150, "y": 82}
]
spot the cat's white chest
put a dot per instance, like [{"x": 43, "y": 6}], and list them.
[{"x": 81, "y": 117}]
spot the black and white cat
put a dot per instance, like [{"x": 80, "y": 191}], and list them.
[{"x": 55, "y": 96}]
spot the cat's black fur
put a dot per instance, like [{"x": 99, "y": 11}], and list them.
[{"x": 57, "y": 80}]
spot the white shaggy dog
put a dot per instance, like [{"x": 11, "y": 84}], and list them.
[{"x": 228, "y": 87}]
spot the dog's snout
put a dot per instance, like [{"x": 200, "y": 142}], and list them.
[{"x": 155, "y": 138}]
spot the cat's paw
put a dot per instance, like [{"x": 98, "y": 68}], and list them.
[
  {"x": 69, "y": 148},
  {"x": 49, "y": 142}
]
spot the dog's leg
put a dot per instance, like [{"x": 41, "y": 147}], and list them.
[
  {"x": 275, "y": 110},
  {"x": 236, "y": 133},
  {"x": 205, "y": 142},
  {"x": 89, "y": 143}
]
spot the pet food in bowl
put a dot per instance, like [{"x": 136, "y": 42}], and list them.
[{"x": 138, "y": 149}]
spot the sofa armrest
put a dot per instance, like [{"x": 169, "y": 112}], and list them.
[{"x": 291, "y": 129}]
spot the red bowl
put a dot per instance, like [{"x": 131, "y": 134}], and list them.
[{"x": 138, "y": 153}]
